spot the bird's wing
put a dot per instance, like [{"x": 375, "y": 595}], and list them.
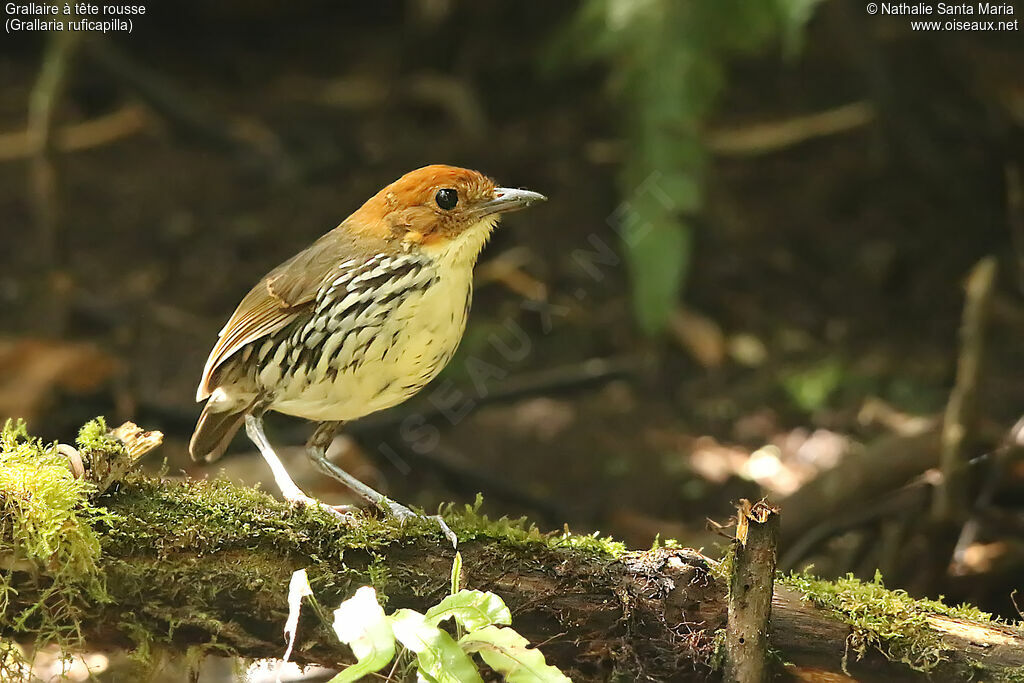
[{"x": 280, "y": 297}]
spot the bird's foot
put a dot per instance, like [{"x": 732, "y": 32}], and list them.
[
  {"x": 342, "y": 512},
  {"x": 404, "y": 514}
]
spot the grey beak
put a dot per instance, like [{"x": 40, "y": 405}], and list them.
[{"x": 509, "y": 199}]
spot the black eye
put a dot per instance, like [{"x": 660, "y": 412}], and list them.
[{"x": 447, "y": 198}]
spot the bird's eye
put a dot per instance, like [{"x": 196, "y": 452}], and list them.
[{"x": 447, "y": 198}]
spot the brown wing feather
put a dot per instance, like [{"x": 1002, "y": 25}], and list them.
[{"x": 277, "y": 300}]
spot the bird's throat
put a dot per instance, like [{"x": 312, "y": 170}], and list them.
[{"x": 463, "y": 250}]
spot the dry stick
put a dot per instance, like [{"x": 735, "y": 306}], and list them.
[
  {"x": 897, "y": 504},
  {"x": 1015, "y": 217},
  {"x": 763, "y": 138},
  {"x": 96, "y": 132},
  {"x": 43, "y": 102},
  {"x": 244, "y": 136},
  {"x": 751, "y": 585},
  {"x": 959, "y": 424},
  {"x": 1009, "y": 451},
  {"x": 883, "y": 466},
  {"x": 547, "y": 382}
]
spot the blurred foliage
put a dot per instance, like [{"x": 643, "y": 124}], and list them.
[
  {"x": 810, "y": 387},
  {"x": 667, "y": 60}
]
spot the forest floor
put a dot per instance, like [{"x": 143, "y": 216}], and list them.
[{"x": 824, "y": 295}]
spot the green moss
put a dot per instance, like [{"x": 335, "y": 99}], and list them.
[
  {"x": 468, "y": 524},
  {"x": 62, "y": 527},
  {"x": 46, "y": 529},
  {"x": 94, "y": 440},
  {"x": 1011, "y": 676},
  {"x": 889, "y": 621}
]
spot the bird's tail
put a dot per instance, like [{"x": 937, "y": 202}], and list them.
[{"x": 215, "y": 430}]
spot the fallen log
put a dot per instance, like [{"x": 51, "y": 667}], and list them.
[{"x": 187, "y": 566}]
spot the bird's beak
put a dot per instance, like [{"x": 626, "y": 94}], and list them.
[{"x": 509, "y": 199}]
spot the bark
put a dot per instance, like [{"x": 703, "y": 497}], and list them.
[
  {"x": 751, "y": 581},
  {"x": 189, "y": 565}
]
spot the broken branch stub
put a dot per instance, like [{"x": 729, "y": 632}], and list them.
[{"x": 751, "y": 585}]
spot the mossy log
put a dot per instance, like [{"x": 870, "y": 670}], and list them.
[
  {"x": 150, "y": 564},
  {"x": 208, "y": 564}
]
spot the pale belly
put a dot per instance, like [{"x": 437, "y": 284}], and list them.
[{"x": 396, "y": 359}]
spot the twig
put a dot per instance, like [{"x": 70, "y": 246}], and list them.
[
  {"x": 506, "y": 269},
  {"x": 42, "y": 106},
  {"x": 1015, "y": 218},
  {"x": 913, "y": 496},
  {"x": 884, "y": 465},
  {"x": 958, "y": 427},
  {"x": 751, "y": 585},
  {"x": 454, "y": 96},
  {"x": 698, "y": 335},
  {"x": 78, "y": 136},
  {"x": 1008, "y": 452},
  {"x": 770, "y": 137},
  {"x": 245, "y": 137},
  {"x": 557, "y": 380}
]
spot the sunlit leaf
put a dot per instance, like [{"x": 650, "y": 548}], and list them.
[
  {"x": 472, "y": 609},
  {"x": 438, "y": 655},
  {"x": 298, "y": 588},
  {"x": 510, "y": 654},
  {"x": 360, "y": 623}
]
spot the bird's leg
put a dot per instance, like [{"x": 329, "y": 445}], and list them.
[
  {"x": 289, "y": 489},
  {"x": 316, "y": 449}
]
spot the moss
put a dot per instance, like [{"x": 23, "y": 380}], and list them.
[
  {"x": 889, "y": 621},
  {"x": 94, "y": 440},
  {"x": 46, "y": 529},
  {"x": 228, "y": 524},
  {"x": 64, "y": 528},
  {"x": 468, "y": 524},
  {"x": 1011, "y": 676},
  {"x": 717, "y": 659},
  {"x": 980, "y": 672}
]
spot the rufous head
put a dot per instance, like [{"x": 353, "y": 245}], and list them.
[{"x": 436, "y": 206}]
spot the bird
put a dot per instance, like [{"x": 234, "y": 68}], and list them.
[{"x": 358, "y": 322}]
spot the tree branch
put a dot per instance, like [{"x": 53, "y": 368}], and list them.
[{"x": 195, "y": 564}]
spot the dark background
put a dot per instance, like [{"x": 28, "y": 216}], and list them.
[{"x": 819, "y": 314}]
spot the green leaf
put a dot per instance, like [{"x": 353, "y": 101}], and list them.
[
  {"x": 360, "y": 623},
  {"x": 658, "y": 262},
  {"x": 456, "y": 572},
  {"x": 472, "y": 609},
  {"x": 795, "y": 15},
  {"x": 510, "y": 654},
  {"x": 668, "y": 64},
  {"x": 437, "y": 654}
]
